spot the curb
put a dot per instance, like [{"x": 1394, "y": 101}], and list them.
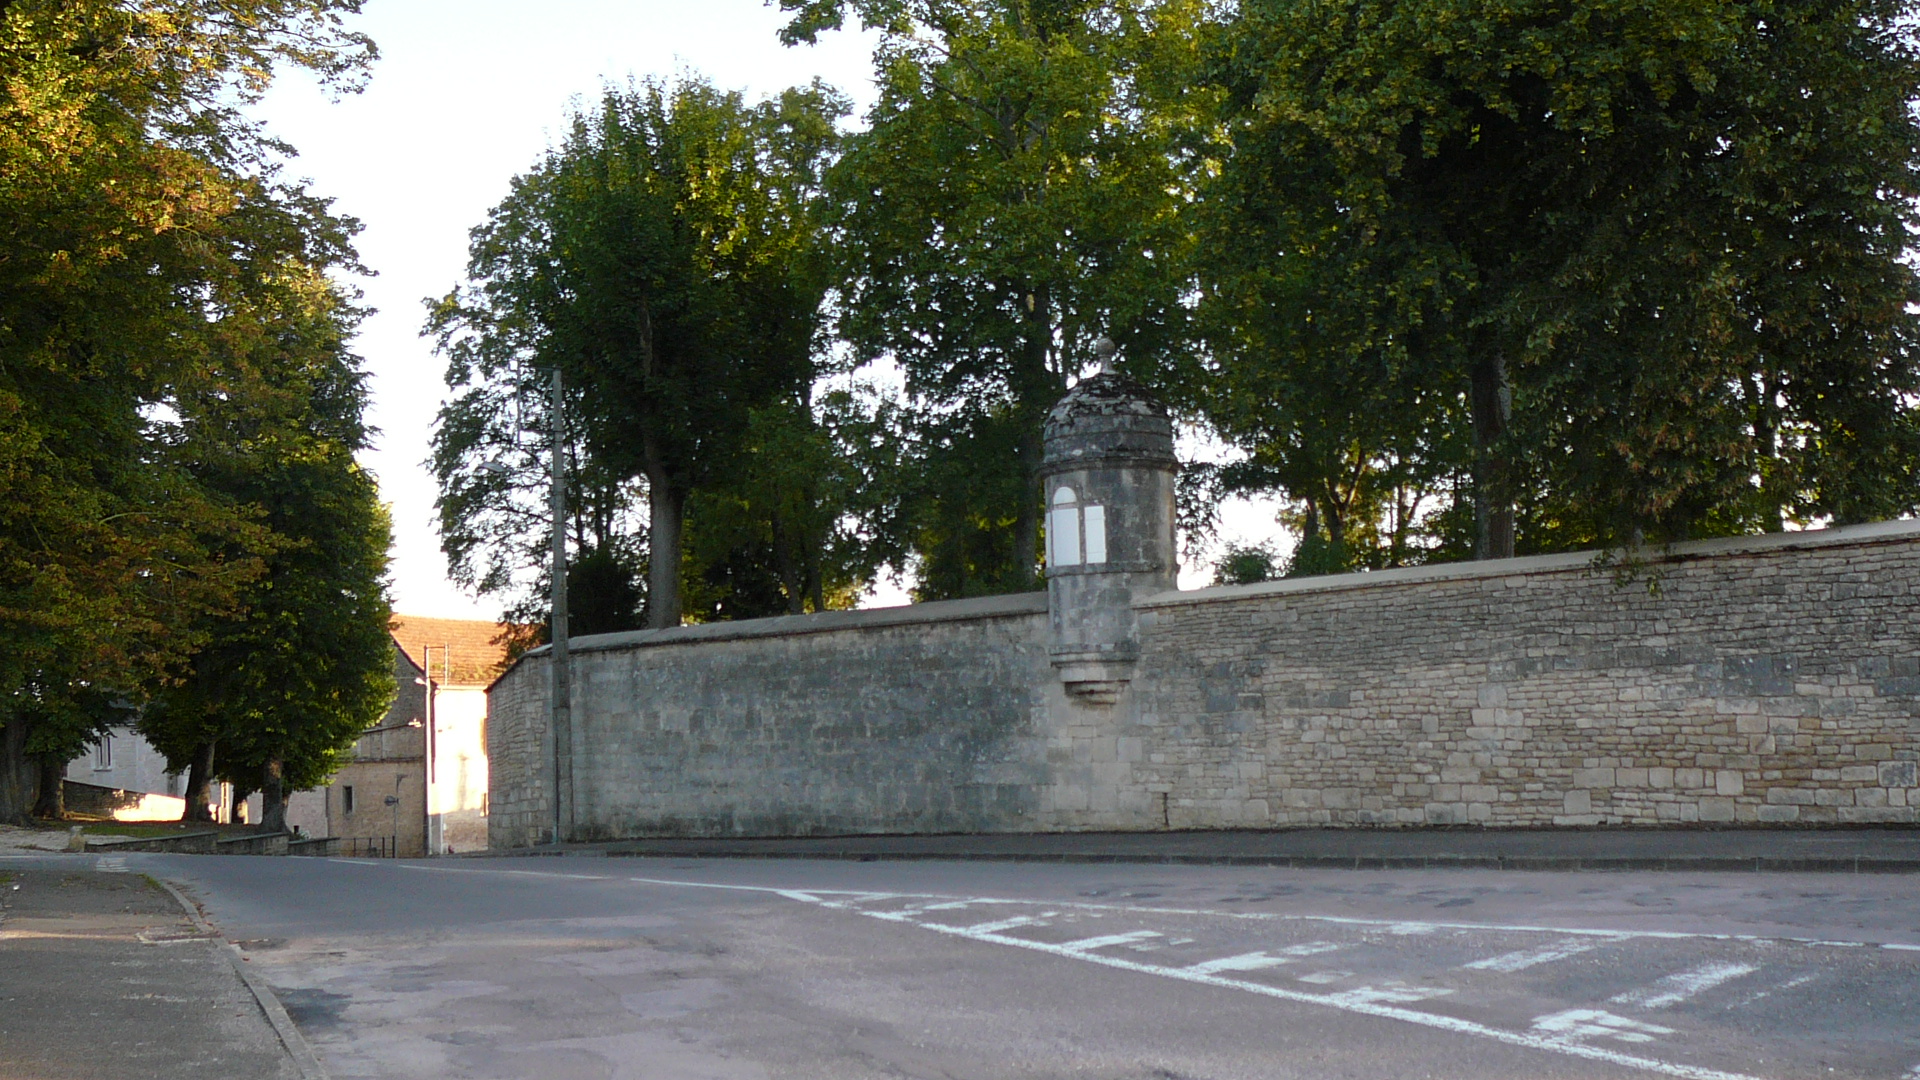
[
  {"x": 296, "y": 1044},
  {"x": 1851, "y": 864}
]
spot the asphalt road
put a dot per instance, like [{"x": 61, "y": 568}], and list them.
[{"x": 558, "y": 968}]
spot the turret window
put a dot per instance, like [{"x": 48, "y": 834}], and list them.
[{"x": 1076, "y": 532}]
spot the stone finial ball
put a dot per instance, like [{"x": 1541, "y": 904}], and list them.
[{"x": 1104, "y": 351}]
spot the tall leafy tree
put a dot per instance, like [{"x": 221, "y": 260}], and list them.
[
  {"x": 1634, "y": 269},
  {"x": 140, "y": 220},
  {"x": 1016, "y": 195},
  {"x": 665, "y": 258},
  {"x": 283, "y": 686}
]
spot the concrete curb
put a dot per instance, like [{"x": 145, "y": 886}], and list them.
[{"x": 296, "y": 1044}]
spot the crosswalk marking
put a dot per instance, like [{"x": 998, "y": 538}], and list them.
[
  {"x": 998, "y": 925},
  {"x": 1677, "y": 988},
  {"x": 1255, "y": 961},
  {"x": 1576, "y": 1025},
  {"x": 1526, "y": 958},
  {"x": 1589, "y": 1033},
  {"x": 1105, "y": 940}
]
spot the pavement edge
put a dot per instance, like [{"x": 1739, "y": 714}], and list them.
[{"x": 296, "y": 1044}]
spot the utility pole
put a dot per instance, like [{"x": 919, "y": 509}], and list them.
[{"x": 562, "y": 718}]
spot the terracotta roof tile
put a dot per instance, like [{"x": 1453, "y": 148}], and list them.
[{"x": 458, "y": 652}]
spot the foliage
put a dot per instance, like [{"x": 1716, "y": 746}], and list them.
[
  {"x": 1610, "y": 271},
  {"x": 1246, "y": 564},
  {"x": 664, "y": 258},
  {"x": 283, "y": 686},
  {"x": 1016, "y": 195},
  {"x": 144, "y": 229}
]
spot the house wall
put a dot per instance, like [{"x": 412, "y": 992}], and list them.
[
  {"x": 1761, "y": 680},
  {"x": 460, "y": 767}
]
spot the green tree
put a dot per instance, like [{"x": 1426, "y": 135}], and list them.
[
  {"x": 666, "y": 258},
  {"x": 140, "y": 220},
  {"x": 1636, "y": 269},
  {"x": 1016, "y": 195},
  {"x": 283, "y": 686}
]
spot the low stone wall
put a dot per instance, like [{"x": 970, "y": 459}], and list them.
[
  {"x": 1762, "y": 680},
  {"x": 1772, "y": 679},
  {"x": 920, "y": 719}
]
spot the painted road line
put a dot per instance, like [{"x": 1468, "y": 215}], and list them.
[
  {"x": 1526, "y": 958},
  {"x": 1369, "y": 995},
  {"x": 1322, "y": 978},
  {"x": 1005, "y": 924},
  {"x": 1575, "y": 1026},
  {"x": 1396, "y": 926},
  {"x": 1108, "y": 940},
  {"x": 1382, "y": 1010},
  {"x": 111, "y": 864},
  {"x": 1256, "y": 961},
  {"x": 1677, "y": 988}
]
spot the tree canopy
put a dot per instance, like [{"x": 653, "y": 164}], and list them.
[
  {"x": 148, "y": 250},
  {"x": 665, "y": 257},
  {"x": 1596, "y": 273}
]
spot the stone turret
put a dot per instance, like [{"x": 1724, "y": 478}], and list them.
[{"x": 1108, "y": 481}]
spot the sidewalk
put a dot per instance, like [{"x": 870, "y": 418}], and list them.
[
  {"x": 1841, "y": 850},
  {"x": 104, "y": 977}
]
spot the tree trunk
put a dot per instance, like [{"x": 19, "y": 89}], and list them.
[
  {"x": 1492, "y": 401},
  {"x": 667, "y": 508},
  {"x": 273, "y": 797},
  {"x": 18, "y": 775},
  {"x": 51, "y": 805},
  {"x": 200, "y": 785}
]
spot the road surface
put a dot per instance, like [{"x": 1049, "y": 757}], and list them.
[{"x": 556, "y": 968}]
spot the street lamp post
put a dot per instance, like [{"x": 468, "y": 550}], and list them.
[{"x": 560, "y": 663}]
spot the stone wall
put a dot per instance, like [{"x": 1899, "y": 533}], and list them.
[
  {"x": 1771, "y": 679},
  {"x": 1764, "y": 680},
  {"x": 902, "y": 720}
]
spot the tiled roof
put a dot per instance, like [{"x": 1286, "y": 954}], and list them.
[{"x": 456, "y": 652}]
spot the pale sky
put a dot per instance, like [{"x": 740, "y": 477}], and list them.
[{"x": 467, "y": 94}]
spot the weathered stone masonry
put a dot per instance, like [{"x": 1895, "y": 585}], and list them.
[{"x": 1766, "y": 679}]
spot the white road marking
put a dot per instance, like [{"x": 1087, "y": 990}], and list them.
[
  {"x": 1533, "y": 1040},
  {"x": 1751, "y": 998},
  {"x": 1686, "y": 984},
  {"x": 1526, "y": 958},
  {"x": 1003, "y": 924},
  {"x": 1576, "y": 1025},
  {"x": 1107, "y": 940},
  {"x": 111, "y": 864},
  {"x": 1256, "y": 961},
  {"x": 1398, "y": 926},
  {"x": 1368, "y": 995}
]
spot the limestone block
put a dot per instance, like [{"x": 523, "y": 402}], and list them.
[
  {"x": 1716, "y": 809},
  {"x": 1593, "y": 778},
  {"x": 1729, "y": 782}
]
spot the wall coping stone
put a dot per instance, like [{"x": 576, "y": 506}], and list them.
[
  {"x": 1879, "y": 532},
  {"x": 820, "y": 622}
]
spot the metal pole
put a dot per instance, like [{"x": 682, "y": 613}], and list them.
[{"x": 562, "y": 718}]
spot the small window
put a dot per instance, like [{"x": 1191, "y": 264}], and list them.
[
  {"x": 1075, "y": 534},
  {"x": 103, "y": 754},
  {"x": 346, "y": 798}
]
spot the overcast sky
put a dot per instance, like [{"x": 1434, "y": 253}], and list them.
[{"x": 467, "y": 94}]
